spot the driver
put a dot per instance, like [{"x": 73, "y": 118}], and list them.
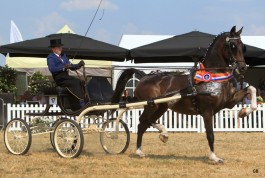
[{"x": 59, "y": 65}]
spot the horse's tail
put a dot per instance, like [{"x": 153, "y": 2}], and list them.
[{"x": 121, "y": 83}]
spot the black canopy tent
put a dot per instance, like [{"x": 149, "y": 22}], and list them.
[
  {"x": 179, "y": 48},
  {"x": 187, "y": 47},
  {"x": 75, "y": 46}
]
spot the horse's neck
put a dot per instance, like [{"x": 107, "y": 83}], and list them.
[{"x": 214, "y": 59}]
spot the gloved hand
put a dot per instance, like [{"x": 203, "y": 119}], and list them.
[
  {"x": 81, "y": 63},
  {"x": 67, "y": 66}
]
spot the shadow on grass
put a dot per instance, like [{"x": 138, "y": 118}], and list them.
[
  {"x": 50, "y": 149},
  {"x": 174, "y": 157},
  {"x": 87, "y": 153}
]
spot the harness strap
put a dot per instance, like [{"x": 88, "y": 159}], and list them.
[{"x": 83, "y": 84}]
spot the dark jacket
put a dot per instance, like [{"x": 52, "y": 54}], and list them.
[{"x": 61, "y": 76}]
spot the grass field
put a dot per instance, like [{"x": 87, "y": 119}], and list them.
[{"x": 184, "y": 155}]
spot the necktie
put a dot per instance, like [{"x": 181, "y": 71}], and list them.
[{"x": 61, "y": 59}]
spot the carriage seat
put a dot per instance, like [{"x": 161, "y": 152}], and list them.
[
  {"x": 99, "y": 90},
  {"x": 61, "y": 91},
  {"x": 55, "y": 90}
]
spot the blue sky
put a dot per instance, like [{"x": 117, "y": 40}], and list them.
[{"x": 36, "y": 18}]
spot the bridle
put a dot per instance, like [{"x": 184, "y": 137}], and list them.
[
  {"x": 233, "y": 63},
  {"x": 232, "y": 59}
]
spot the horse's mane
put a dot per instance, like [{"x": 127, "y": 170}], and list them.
[{"x": 210, "y": 47}]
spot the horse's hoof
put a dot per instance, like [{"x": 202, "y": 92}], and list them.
[
  {"x": 140, "y": 153},
  {"x": 215, "y": 159},
  {"x": 221, "y": 161},
  {"x": 163, "y": 138},
  {"x": 218, "y": 161}
]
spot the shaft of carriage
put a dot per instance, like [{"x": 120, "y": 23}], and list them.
[
  {"x": 128, "y": 106},
  {"x": 114, "y": 137}
]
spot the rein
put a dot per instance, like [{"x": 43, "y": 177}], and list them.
[{"x": 83, "y": 80}]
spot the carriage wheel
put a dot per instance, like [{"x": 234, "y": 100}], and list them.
[
  {"x": 68, "y": 138},
  {"x": 114, "y": 141},
  {"x": 52, "y": 136},
  {"x": 17, "y": 136},
  {"x": 52, "y": 133}
]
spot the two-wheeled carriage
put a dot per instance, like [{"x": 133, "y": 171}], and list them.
[{"x": 66, "y": 134}]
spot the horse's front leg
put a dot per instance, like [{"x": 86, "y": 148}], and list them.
[
  {"x": 142, "y": 126},
  {"x": 210, "y": 138},
  {"x": 253, "y": 106}
]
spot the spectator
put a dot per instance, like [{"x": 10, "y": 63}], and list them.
[
  {"x": 247, "y": 99},
  {"x": 261, "y": 89},
  {"x": 241, "y": 84}
]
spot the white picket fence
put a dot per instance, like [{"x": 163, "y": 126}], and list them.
[{"x": 225, "y": 120}]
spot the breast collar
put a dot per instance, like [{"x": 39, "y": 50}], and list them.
[{"x": 202, "y": 75}]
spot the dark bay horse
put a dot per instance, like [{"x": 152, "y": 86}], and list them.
[{"x": 212, "y": 87}]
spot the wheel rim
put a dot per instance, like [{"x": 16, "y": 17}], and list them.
[
  {"x": 67, "y": 139},
  {"x": 16, "y": 137},
  {"x": 114, "y": 141}
]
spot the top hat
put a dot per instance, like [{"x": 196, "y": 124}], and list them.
[{"x": 55, "y": 43}]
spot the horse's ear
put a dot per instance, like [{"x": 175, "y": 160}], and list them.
[
  {"x": 233, "y": 29},
  {"x": 239, "y": 31}
]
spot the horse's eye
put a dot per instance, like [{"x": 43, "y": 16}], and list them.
[{"x": 233, "y": 46}]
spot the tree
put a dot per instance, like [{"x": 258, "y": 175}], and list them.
[
  {"x": 38, "y": 82},
  {"x": 8, "y": 78}
]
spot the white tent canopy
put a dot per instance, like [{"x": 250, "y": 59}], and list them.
[{"x": 31, "y": 65}]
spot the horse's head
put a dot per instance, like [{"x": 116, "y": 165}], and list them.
[{"x": 234, "y": 49}]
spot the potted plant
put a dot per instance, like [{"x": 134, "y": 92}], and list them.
[
  {"x": 37, "y": 84},
  {"x": 259, "y": 100}
]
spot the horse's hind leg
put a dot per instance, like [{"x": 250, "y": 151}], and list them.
[
  {"x": 163, "y": 132},
  {"x": 149, "y": 116}
]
